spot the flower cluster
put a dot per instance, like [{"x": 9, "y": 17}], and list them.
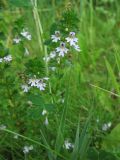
[
  {"x": 25, "y": 34},
  {"x": 27, "y": 149},
  {"x": 62, "y": 50},
  {"x": 34, "y": 82},
  {"x": 6, "y": 59}
]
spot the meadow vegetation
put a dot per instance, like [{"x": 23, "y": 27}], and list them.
[{"x": 59, "y": 80}]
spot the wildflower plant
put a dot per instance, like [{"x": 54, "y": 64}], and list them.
[
  {"x": 45, "y": 96},
  {"x": 63, "y": 42}
]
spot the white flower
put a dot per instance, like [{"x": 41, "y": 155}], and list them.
[
  {"x": 29, "y": 37},
  {"x": 2, "y": 127},
  {"x": 1, "y": 59},
  {"x": 62, "y": 100},
  {"x": 52, "y": 68},
  {"x": 26, "y": 34},
  {"x": 29, "y": 103},
  {"x": 106, "y": 126},
  {"x": 26, "y": 52},
  {"x": 56, "y": 36},
  {"x": 46, "y": 78},
  {"x": 33, "y": 82},
  {"x": 27, "y": 149},
  {"x": 25, "y": 88},
  {"x": 47, "y": 58},
  {"x": 62, "y": 49},
  {"x": 15, "y": 136},
  {"x": 30, "y": 147},
  {"x": 44, "y": 112},
  {"x": 68, "y": 145},
  {"x": 77, "y": 48},
  {"x": 41, "y": 85},
  {"x": 58, "y": 60},
  {"x": 16, "y": 40},
  {"x": 53, "y": 54},
  {"x": 8, "y": 58},
  {"x": 97, "y": 120},
  {"x": 46, "y": 122},
  {"x": 72, "y": 39}
]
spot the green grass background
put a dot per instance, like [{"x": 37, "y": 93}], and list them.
[{"x": 91, "y": 85}]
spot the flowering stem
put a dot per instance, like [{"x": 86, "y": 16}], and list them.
[
  {"x": 91, "y": 22},
  {"x": 47, "y": 73}
]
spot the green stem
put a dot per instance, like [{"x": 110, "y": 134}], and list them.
[{"x": 40, "y": 38}]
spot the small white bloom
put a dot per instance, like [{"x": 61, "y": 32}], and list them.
[
  {"x": 2, "y": 127},
  {"x": 44, "y": 112},
  {"x": 109, "y": 124},
  {"x": 46, "y": 122},
  {"x": 46, "y": 59},
  {"x": 97, "y": 120},
  {"x": 56, "y": 36},
  {"x": 15, "y": 136},
  {"x": 26, "y": 52},
  {"x": 106, "y": 126},
  {"x": 8, "y": 58},
  {"x": 29, "y": 37},
  {"x": 25, "y": 88},
  {"x": 72, "y": 39},
  {"x": 29, "y": 103},
  {"x": 46, "y": 78},
  {"x": 30, "y": 147},
  {"x": 53, "y": 54},
  {"x": 41, "y": 85},
  {"x": 26, "y": 34},
  {"x": 52, "y": 68},
  {"x": 58, "y": 60},
  {"x": 33, "y": 82},
  {"x": 62, "y": 49},
  {"x": 16, "y": 40},
  {"x": 77, "y": 48},
  {"x": 1, "y": 59},
  {"x": 27, "y": 149},
  {"x": 62, "y": 100},
  {"x": 68, "y": 145}
]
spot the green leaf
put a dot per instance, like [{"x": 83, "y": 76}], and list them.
[
  {"x": 93, "y": 154},
  {"x": 112, "y": 140},
  {"x": 75, "y": 152},
  {"x": 112, "y": 75},
  {"x": 35, "y": 67},
  {"x": 36, "y": 100},
  {"x": 20, "y": 3}
]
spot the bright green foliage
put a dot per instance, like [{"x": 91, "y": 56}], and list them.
[{"x": 82, "y": 95}]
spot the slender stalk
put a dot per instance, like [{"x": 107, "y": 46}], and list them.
[
  {"x": 112, "y": 93},
  {"x": 40, "y": 38},
  {"x": 38, "y": 24},
  {"x": 91, "y": 22}
]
